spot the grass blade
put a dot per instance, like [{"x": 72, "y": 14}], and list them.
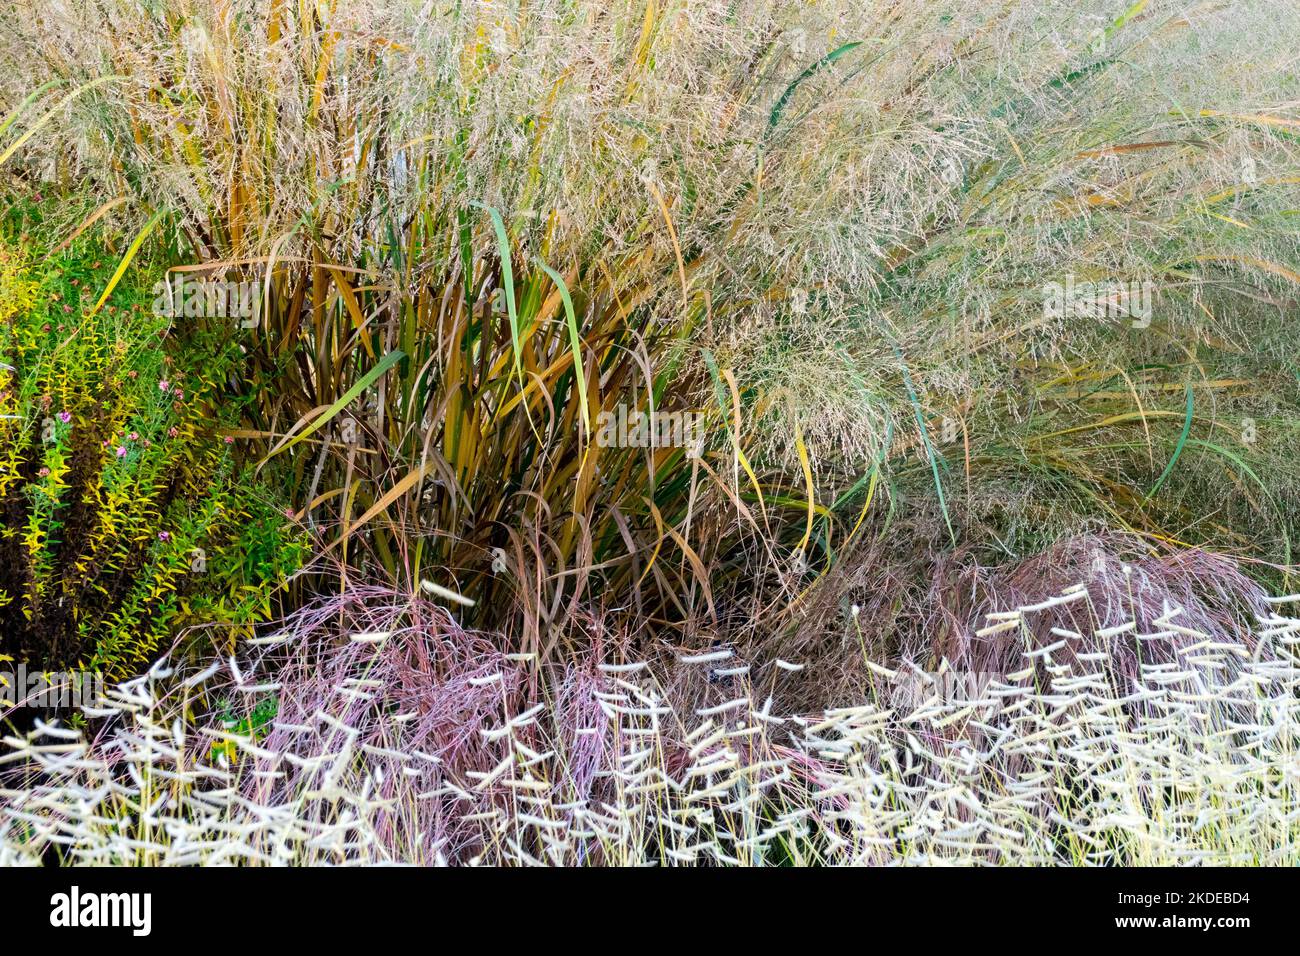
[
  {"x": 575, "y": 342},
  {"x": 1178, "y": 449},
  {"x": 126, "y": 261},
  {"x": 387, "y": 362},
  {"x": 508, "y": 284}
]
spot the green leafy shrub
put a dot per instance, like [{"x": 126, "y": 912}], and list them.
[{"x": 123, "y": 514}]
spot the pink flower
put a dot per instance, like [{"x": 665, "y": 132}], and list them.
[
  {"x": 65, "y": 417},
  {"x": 164, "y": 536},
  {"x": 230, "y": 439},
  {"x": 44, "y": 473},
  {"x": 177, "y": 392},
  {"x": 134, "y": 436},
  {"x": 289, "y": 513},
  {"x": 164, "y": 385},
  {"x": 172, "y": 432},
  {"x": 121, "y": 451}
]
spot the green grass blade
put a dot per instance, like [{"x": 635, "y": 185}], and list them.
[
  {"x": 508, "y": 282},
  {"x": 1178, "y": 449},
  {"x": 387, "y": 362},
  {"x": 929, "y": 448},
  {"x": 575, "y": 342},
  {"x": 775, "y": 116}
]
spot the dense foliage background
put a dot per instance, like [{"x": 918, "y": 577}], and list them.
[{"x": 979, "y": 307}]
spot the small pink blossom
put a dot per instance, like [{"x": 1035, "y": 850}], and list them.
[
  {"x": 164, "y": 385},
  {"x": 172, "y": 432},
  {"x": 44, "y": 473},
  {"x": 65, "y": 417},
  {"x": 134, "y": 436},
  {"x": 164, "y": 536},
  {"x": 230, "y": 439},
  {"x": 121, "y": 451}
]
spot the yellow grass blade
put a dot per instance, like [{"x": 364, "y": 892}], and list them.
[
  {"x": 44, "y": 120},
  {"x": 126, "y": 261},
  {"x": 808, "y": 483},
  {"x": 90, "y": 220},
  {"x": 393, "y": 493}
]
